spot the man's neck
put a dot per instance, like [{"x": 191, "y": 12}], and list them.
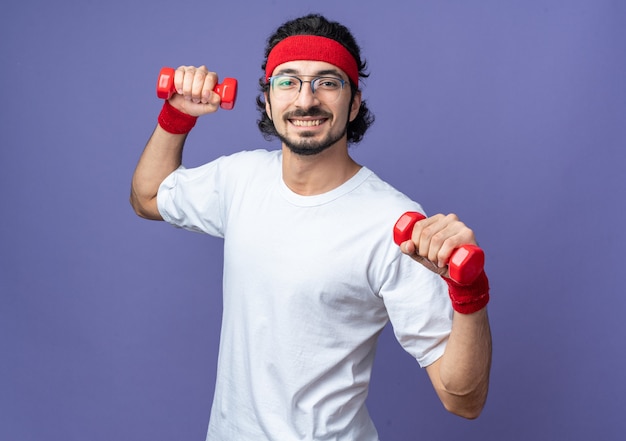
[{"x": 317, "y": 174}]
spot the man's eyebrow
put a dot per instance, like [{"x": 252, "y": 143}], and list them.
[{"x": 319, "y": 73}]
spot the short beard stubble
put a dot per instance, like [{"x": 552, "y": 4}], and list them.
[{"x": 308, "y": 147}]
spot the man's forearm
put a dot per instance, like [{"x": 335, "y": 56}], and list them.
[
  {"x": 161, "y": 156},
  {"x": 461, "y": 375}
]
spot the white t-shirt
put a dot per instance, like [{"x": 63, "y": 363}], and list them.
[{"x": 309, "y": 283}]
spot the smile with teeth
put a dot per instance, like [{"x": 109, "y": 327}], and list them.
[{"x": 306, "y": 122}]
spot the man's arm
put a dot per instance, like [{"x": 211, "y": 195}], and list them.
[
  {"x": 461, "y": 376},
  {"x": 163, "y": 152},
  {"x": 161, "y": 156}
]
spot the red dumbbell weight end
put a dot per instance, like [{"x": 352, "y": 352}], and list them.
[
  {"x": 466, "y": 262},
  {"x": 227, "y": 90}
]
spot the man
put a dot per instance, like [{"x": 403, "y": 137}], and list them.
[{"x": 311, "y": 273}]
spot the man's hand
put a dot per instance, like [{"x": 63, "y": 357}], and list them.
[
  {"x": 435, "y": 238},
  {"x": 194, "y": 90}
]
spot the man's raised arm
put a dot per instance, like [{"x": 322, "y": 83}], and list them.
[{"x": 164, "y": 150}]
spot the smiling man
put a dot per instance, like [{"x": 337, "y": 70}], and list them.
[{"x": 311, "y": 273}]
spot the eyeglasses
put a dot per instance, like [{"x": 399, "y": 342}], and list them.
[{"x": 287, "y": 87}]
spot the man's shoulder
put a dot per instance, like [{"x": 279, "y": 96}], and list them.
[
  {"x": 383, "y": 190},
  {"x": 243, "y": 161},
  {"x": 253, "y": 156}
]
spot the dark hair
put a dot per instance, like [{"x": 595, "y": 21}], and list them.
[{"x": 315, "y": 24}]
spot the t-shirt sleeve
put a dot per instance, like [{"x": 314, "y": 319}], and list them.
[
  {"x": 190, "y": 199},
  {"x": 419, "y": 309}
]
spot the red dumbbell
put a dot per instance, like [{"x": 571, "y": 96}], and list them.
[
  {"x": 227, "y": 90},
  {"x": 466, "y": 262}
]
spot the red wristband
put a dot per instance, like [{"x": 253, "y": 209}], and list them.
[
  {"x": 174, "y": 121},
  {"x": 467, "y": 299}
]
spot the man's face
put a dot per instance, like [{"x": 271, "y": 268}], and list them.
[{"x": 310, "y": 123}]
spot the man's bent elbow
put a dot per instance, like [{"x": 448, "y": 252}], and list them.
[
  {"x": 469, "y": 407},
  {"x": 146, "y": 209}
]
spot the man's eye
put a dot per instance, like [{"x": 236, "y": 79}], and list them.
[
  {"x": 329, "y": 83},
  {"x": 286, "y": 82}
]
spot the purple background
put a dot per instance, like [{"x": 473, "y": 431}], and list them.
[{"x": 510, "y": 113}]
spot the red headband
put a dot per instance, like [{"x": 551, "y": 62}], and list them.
[{"x": 314, "y": 48}]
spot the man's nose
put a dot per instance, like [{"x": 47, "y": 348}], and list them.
[{"x": 306, "y": 98}]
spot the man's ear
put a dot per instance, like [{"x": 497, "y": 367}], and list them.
[
  {"x": 268, "y": 106},
  {"x": 355, "y": 106}
]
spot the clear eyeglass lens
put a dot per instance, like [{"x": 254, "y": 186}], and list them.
[{"x": 287, "y": 87}]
